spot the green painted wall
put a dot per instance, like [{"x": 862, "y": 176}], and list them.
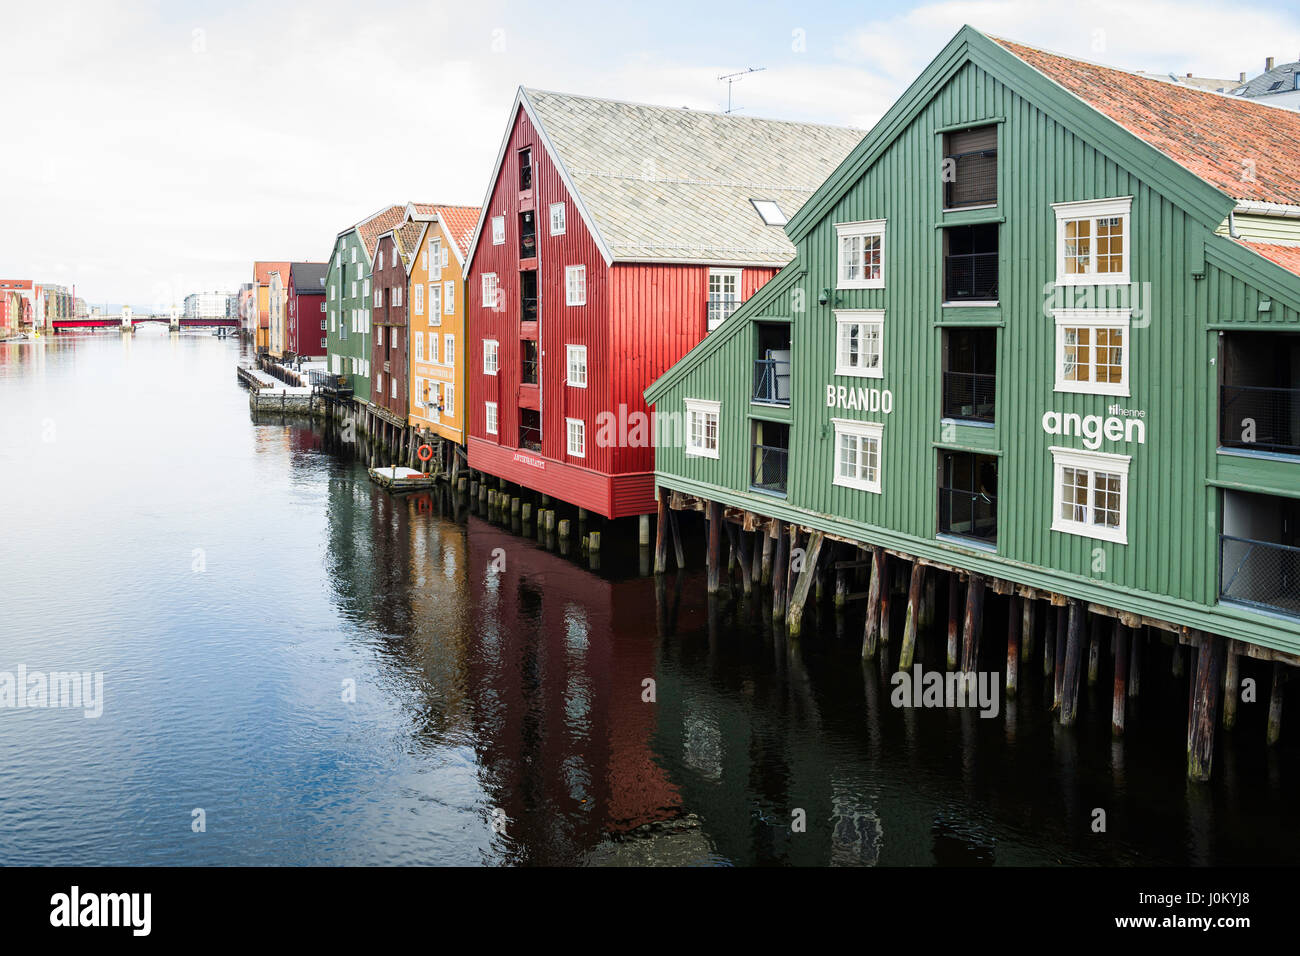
[
  {"x": 1180, "y": 292},
  {"x": 349, "y": 270}
]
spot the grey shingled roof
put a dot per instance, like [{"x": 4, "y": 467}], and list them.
[
  {"x": 676, "y": 184},
  {"x": 309, "y": 275},
  {"x": 1282, "y": 76}
]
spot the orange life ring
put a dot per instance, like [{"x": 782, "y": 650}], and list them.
[{"x": 424, "y": 452}]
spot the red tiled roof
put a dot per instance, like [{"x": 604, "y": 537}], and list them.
[
  {"x": 1288, "y": 257},
  {"x": 262, "y": 271},
  {"x": 459, "y": 221},
  {"x": 1239, "y": 146},
  {"x": 371, "y": 229}
]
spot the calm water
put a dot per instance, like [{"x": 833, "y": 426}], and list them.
[{"x": 237, "y": 583}]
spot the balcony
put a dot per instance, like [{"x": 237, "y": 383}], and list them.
[
  {"x": 527, "y": 235},
  {"x": 530, "y": 429},
  {"x": 771, "y": 455},
  {"x": 969, "y": 374},
  {"x": 525, "y": 170},
  {"x": 772, "y": 366},
  {"x": 528, "y": 296},
  {"x": 968, "y": 496},
  {"x": 529, "y": 365},
  {"x": 1259, "y": 552},
  {"x": 1259, "y": 392},
  {"x": 970, "y": 264}
]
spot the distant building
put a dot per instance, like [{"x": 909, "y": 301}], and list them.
[
  {"x": 276, "y": 287},
  {"x": 206, "y": 305},
  {"x": 1207, "y": 83},
  {"x": 1276, "y": 86},
  {"x": 260, "y": 324},
  {"x": 26, "y": 291},
  {"x": 305, "y": 318}
]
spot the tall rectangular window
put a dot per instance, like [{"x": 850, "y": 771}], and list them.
[
  {"x": 724, "y": 295},
  {"x": 968, "y": 495},
  {"x": 419, "y": 346},
  {"x": 491, "y": 356},
  {"x": 449, "y": 350},
  {"x": 858, "y": 454},
  {"x": 557, "y": 219},
  {"x": 575, "y": 285},
  {"x": 435, "y": 270},
  {"x": 970, "y": 364},
  {"x": 498, "y": 230},
  {"x": 418, "y": 298},
  {"x": 490, "y": 422},
  {"x": 490, "y": 290},
  {"x": 435, "y": 303},
  {"x": 1092, "y": 351},
  {"x": 860, "y": 254},
  {"x": 576, "y": 360},
  {"x": 860, "y": 338},
  {"x": 449, "y": 298},
  {"x": 1091, "y": 494},
  {"x": 1092, "y": 241},
  {"x": 970, "y": 167},
  {"x": 576, "y": 430},
  {"x": 449, "y": 400}
]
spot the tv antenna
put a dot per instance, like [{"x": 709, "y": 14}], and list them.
[{"x": 736, "y": 78}]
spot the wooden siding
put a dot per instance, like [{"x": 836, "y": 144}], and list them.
[
  {"x": 388, "y": 363},
  {"x": 448, "y": 376},
  {"x": 1170, "y": 564},
  {"x": 344, "y": 342}
]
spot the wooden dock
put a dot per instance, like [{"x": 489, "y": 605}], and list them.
[{"x": 396, "y": 478}]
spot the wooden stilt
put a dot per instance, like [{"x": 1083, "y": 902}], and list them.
[
  {"x": 798, "y": 559},
  {"x": 1176, "y": 666},
  {"x": 885, "y": 589},
  {"x": 1059, "y": 668},
  {"x": 841, "y": 588},
  {"x": 1028, "y": 618},
  {"x": 1073, "y": 660},
  {"x": 871, "y": 630},
  {"x": 1135, "y": 662},
  {"x": 679, "y": 550},
  {"x": 661, "y": 532},
  {"x": 715, "y": 547},
  {"x": 756, "y": 539},
  {"x": 1014, "y": 623},
  {"x": 1231, "y": 683},
  {"x": 972, "y": 623},
  {"x": 914, "y": 588},
  {"x": 769, "y": 546},
  {"x": 1094, "y": 650},
  {"x": 1205, "y": 709},
  {"x": 1275, "y": 704},
  {"x": 746, "y": 575},
  {"x": 794, "y": 617},
  {"x": 1121, "y": 678},
  {"x": 782, "y": 544},
  {"x": 954, "y": 614}
]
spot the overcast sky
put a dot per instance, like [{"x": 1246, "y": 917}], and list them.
[{"x": 149, "y": 150}]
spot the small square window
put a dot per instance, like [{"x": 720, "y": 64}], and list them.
[
  {"x": 1092, "y": 347},
  {"x": 769, "y": 212},
  {"x": 859, "y": 348},
  {"x": 1092, "y": 241},
  {"x": 702, "y": 427},
  {"x": 858, "y": 459},
  {"x": 860, "y": 254},
  {"x": 1090, "y": 497}
]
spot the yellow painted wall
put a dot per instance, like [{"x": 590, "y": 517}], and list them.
[
  {"x": 263, "y": 304},
  {"x": 446, "y": 326}
]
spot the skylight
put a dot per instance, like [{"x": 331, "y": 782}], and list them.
[{"x": 769, "y": 212}]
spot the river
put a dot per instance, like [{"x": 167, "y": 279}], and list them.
[{"x": 300, "y": 669}]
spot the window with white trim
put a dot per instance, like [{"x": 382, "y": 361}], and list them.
[
  {"x": 702, "y": 427},
  {"x": 392, "y": 379},
  {"x": 490, "y": 423},
  {"x": 379, "y": 296},
  {"x": 436, "y": 246},
  {"x": 433, "y": 401},
  {"x": 1092, "y": 350},
  {"x": 435, "y": 303},
  {"x": 575, "y": 285},
  {"x": 448, "y": 350},
  {"x": 490, "y": 289},
  {"x": 449, "y": 400},
  {"x": 354, "y": 253},
  {"x": 860, "y": 342},
  {"x": 724, "y": 295},
  {"x": 1092, "y": 241},
  {"x": 380, "y": 263},
  {"x": 557, "y": 219},
  {"x": 379, "y": 336},
  {"x": 858, "y": 454},
  {"x": 491, "y": 356},
  {"x": 419, "y": 346},
  {"x": 418, "y": 298},
  {"x": 498, "y": 230},
  {"x": 449, "y": 298},
  {"x": 1090, "y": 497},
  {"x": 576, "y": 430},
  {"x": 397, "y": 296},
  {"x": 433, "y": 346},
  {"x": 424, "y": 259},
  {"x": 576, "y": 361},
  {"x": 365, "y": 289},
  {"x": 860, "y": 254}
]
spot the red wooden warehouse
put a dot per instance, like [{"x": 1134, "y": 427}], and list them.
[
  {"x": 392, "y": 257},
  {"x": 304, "y": 317},
  {"x": 613, "y": 236}
]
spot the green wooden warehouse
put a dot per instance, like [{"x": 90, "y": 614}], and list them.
[{"x": 1041, "y": 336}]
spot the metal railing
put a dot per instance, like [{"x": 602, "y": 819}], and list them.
[
  {"x": 974, "y": 180},
  {"x": 530, "y": 437},
  {"x": 970, "y": 276},
  {"x": 770, "y": 468},
  {"x": 528, "y": 245},
  {"x": 528, "y": 311},
  {"x": 1260, "y": 418},
  {"x": 970, "y": 514},
  {"x": 525, "y": 177},
  {"x": 1261, "y": 574},
  {"x": 771, "y": 382},
  {"x": 969, "y": 395},
  {"x": 528, "y": 371}
]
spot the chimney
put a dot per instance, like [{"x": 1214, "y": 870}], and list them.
[
  {"x": 1241, "y": 78},
  {"x": 1189, "y": 76},
  {"x": 1268, "y": 63}
]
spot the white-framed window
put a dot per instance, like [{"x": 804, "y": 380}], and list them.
[
  {"x": 379, "y": 335},
  {"x": 724, "y": 295},
  {"x": 448, "y": 349},
  {"x": 333, "y": 292},
  {"x": 434, "y": 398},
  {"x": 436, "y": 246},
  {"x": 379, "y": 383},
  {"x": 380, "y": 263},
  {"x": 449, "y": 298},
  {"x": 490, "y": 423},
  {"x": 323, "y": 343},
  {"x": 860, "y": 254},
  {"x": 860, "y": 342},
  {"x": 449, "y": 400},
  {"x": 491, "y": 356},
  {"x": 1092, "y": 347},
  {"x": 418, "y": 298},
  {"x": 576, "y": 430},
  {"x": 490, "y": 289},
  {"x": 354, "y": 253},
  {"x": 392, "y": 380},
  {"x": 575, "y": 285},
  {"x": 557, "y": 218},
  {"x": 433, "y": 347},
  {"x": 498, "y": 230},
  {"x": 397, "y": 296},
  {"x": 1090, "y": 496},
  {"x": 702, "y": 427},
  {"x": 379, "y": 296},
  {"x": 419, "y": 346},
  {"x": 435, "y": 303},
  {"x": 338, "y": 262},
  {"x": 1092, "y": 241},
  {"x": 576, "y": 362},
  {"x": 354, "y": 288},
  {"x": 858, "y": 459}
]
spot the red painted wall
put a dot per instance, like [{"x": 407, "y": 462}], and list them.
[
  {"x": 389, "y": 356},
  {"x": 638, "y": 321},
  {"x": 305, "y": 313}
]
